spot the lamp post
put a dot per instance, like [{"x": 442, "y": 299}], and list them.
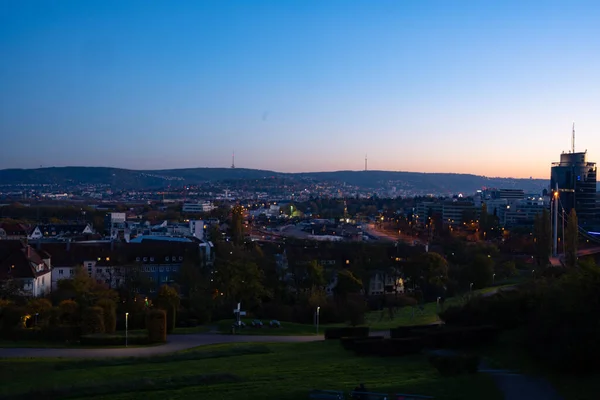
[
  {"x": 493, "y": 279},
  {"x": 36, "y": 318},
  {"x": 126, "y": 327},
  {"x": 471, "y": 287},
  {"x": 318, "y": 310},
  {"x": 533, "y": 273}
]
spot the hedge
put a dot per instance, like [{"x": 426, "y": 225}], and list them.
[
  {"x": 156, "y": 324},
  {"x": 455, "y": 337},
  {"x": 348, "y": 343},
  {"x": 92, "y": 321},
  {"x": 411, "y": 331},
  {"x": 338, "y": 333}
]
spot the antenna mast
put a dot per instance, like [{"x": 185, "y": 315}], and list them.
[
  {"x": 573, "y": 139},
  {"x": 365, "y": 162},
  {"x": 233, "y": 160}
]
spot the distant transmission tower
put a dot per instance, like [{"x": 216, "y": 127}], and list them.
[
  {"x": 233, "y": 160},
  {"x": 573, "y": 139},
  {"x": 365, "y": 162}
]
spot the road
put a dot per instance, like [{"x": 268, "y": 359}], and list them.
[
  {"x": 175, "y": 343},
  {"x": 382, "y": 234}
]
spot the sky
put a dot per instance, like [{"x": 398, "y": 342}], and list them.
[{"x": 290, "y": 86}]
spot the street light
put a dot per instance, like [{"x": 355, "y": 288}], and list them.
[
  {"x": 471, "y": 287},
  {"x": 126, "y": 326},
  {"x": 318, "y": 311},
  {"x": 493, "y": 278}
]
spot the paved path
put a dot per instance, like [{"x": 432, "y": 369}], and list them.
[{"x": 175, "y": 343}]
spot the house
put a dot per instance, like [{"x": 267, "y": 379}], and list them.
[
  {"x": 60, "y": 230},
  {"x": 29, "y": 268},
  {"x": 385, "y": 282},
  {"x": 13, "y": 231},
  {"x": 112, "y": 263}
]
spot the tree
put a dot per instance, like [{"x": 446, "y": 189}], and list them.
[
  {"x": 237, "y": 225},
  {"x": 168, "y": 299},
  {"x": 84, "y": 289},
  {"x": 134, "y": 281},
  {"x": 543, "y": 237},
  {"x": 346, "y": 283},
  {"x": 571, "y": 237},
  {"x": 479, "y": 271}
]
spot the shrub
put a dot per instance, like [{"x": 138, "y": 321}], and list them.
[
  {"x": 280, "y": 312},
  {"x": 69, "y": 311},
  {"x": 110, "y": 314},
  {"x": 457, "y": 337},
  {"x": 62, "y": 333},
  {"x": 156, "y": 324},
  {"x": 338, "y": 333},
  {"x": 13, "y": 317},
  {"x": 348, "y": 343},
  {"x": 504, "y": 310},
  {"x": 402, "y": 332},
  {"x": 563, "y": 328},
  {"x": 92, "y": 321},
  {"x": 448, "y": 365}
]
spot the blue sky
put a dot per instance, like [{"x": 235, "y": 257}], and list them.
[{"x": 429, "y": 86}]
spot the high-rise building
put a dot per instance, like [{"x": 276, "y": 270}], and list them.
[{"x": 575, "y": 178}]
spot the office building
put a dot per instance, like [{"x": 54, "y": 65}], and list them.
[{"x": 575, "y": 178}]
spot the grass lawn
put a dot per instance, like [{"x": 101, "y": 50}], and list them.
[
  {"x": 376, "y": 320},
  {"x": 510, "y": 353},
  {"x": 192, "y": 329},
  {"x": 277, "y": 371}
]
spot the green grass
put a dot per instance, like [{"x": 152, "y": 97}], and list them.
[
  {"x": 509, "y": 352},
  {"x": 191, "y": 330},
  {"x": 286, "y": 371}
]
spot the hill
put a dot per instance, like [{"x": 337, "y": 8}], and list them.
[{"x": 133, "y": 179}]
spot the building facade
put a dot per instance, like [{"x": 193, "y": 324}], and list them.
[{"x": 575, "y": 178}]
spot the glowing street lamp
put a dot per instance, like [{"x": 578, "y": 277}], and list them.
[
  {"x": 318, "y": 312},
  {"x": 126, "y": 326}
]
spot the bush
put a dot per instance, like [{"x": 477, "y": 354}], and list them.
[
  {"x": 104, "y": 339},
  {"x": 505, "y": 310},
  {"x": 62, "y": 333},
  {"x": 563, "y": 327},
  {"x": 402, "y": 332},
  {"x": 338, "y": 333},
  {"x": 69, "y": 311},
  {"x": 449, "y": 365},
  {"x": 92, "y": 321},
  {"x": 156, "y": 324},
  {"x": 13, "y": 317},
  {"x": 109, "y": 313},
  {"x": 458, "y": 337},
  {"x": 348, "y": 343},
  {"x": 280, "y": 312}
]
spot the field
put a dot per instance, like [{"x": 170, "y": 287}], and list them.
[
  {"x": 260, "y": 371},
  {"x": 376, "y": 320}
]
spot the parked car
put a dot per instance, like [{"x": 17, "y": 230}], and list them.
[
  {"x": 257, "y": 323},
  {"x": 275, "y": 324}
]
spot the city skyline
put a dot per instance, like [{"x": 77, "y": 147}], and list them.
[{"x": 299, "y": 87}]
